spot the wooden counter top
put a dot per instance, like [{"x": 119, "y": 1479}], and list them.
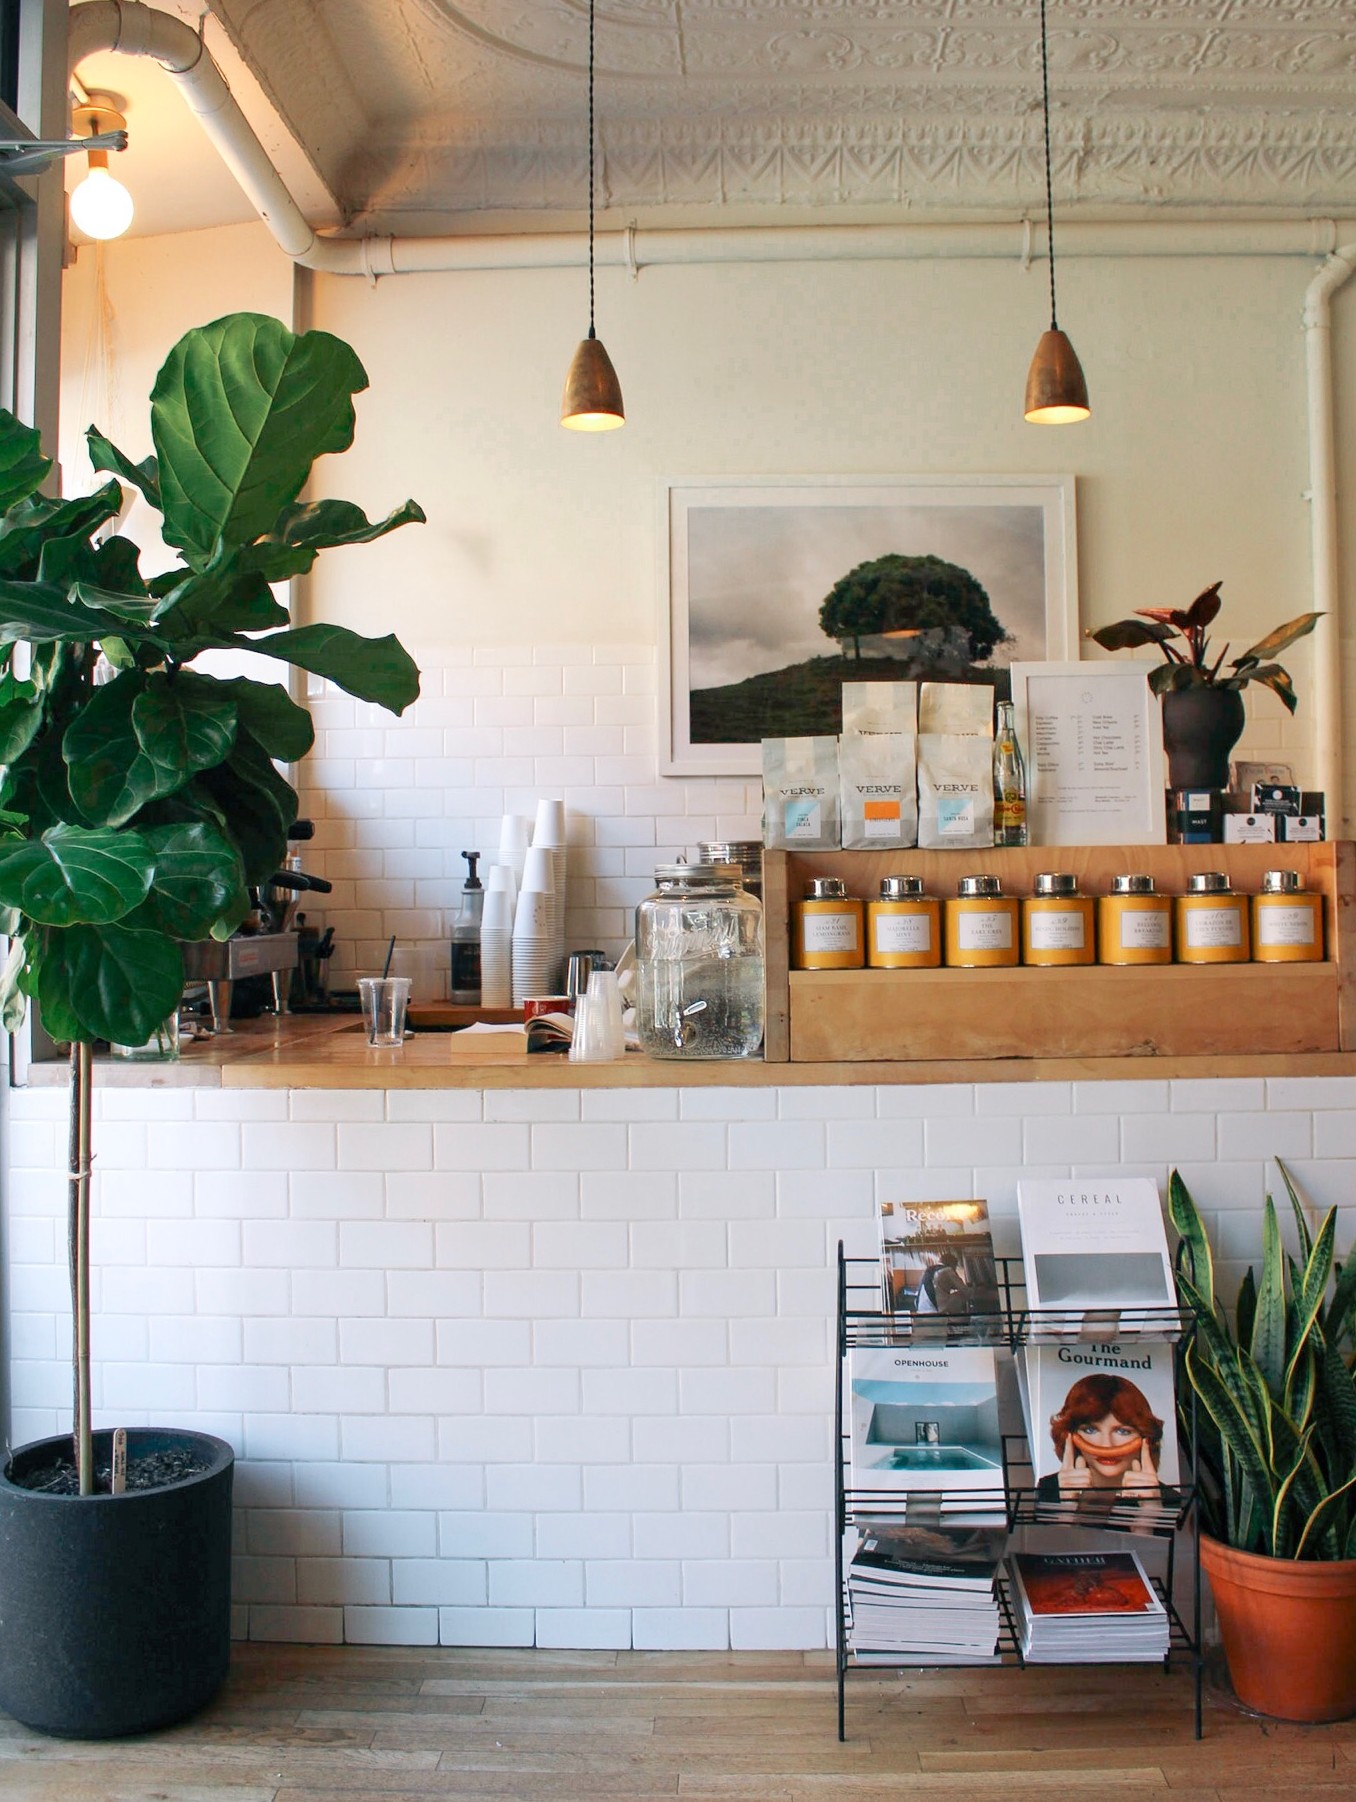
[{"x": 329, "y": 1052}]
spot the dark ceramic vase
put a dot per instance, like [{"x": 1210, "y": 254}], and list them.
[
  {"x": 115, "y": 1610},
  {"x": 1200, "y": 728}
]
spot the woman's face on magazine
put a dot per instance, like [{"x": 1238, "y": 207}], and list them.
[{"x": 1107, "y": 1445}]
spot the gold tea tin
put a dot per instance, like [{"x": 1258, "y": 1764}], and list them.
[
  {"x": 1134, "y": 923},
  {"x": 903, "y": 927},
  {"x": 1212, "y": 921},
  {"x": 1287, "y": 921},
  {"x": 828, "y": 931},
  {"x": 982, "y": 926},
  {"x": 1058, "y": 923}
]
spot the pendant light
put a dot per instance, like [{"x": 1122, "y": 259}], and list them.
[
  {"x": 1056, "y": 393},
  {"x": 100, "y": 205},
  {"x": 592, "y": 401}
]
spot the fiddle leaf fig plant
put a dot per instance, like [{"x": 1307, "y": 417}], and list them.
[
  {"x": 1180, "y": 634},
  {"x": 140, "y": 797}
]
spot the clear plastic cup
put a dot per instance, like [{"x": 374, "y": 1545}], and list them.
[{"x": 384, "y": 1000}]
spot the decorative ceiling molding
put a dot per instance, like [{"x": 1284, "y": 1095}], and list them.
[{"x": 461, "y": 106}]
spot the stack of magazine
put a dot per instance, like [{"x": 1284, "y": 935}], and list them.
[
  {"x": 1086, "y": 1607},
  {"x": 926, "y": 1591},
  {"x": 938, "y": 1269},
  {"x": 1097, "y": 1382}
]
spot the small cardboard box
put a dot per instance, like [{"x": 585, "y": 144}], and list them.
[{"x": 1250, "y": 828}]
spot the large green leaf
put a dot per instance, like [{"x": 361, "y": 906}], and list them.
[
  {"x": 320, "y": 525},
  {"x": 1268, "y": 1329},
  {"x": 43, "y": 612},
  {"x": 267, "y": 710},
  {"x": 21, "y": 710},
  {"x": 257, "y": 805},
  {"x": 239, "y": 412},
  {"x": 221, "y": 600},
  {"x": 107, "y": 982},
  {"x": 1183, "y": 1213},
  {"x": 71, "y": 875},
  {"x": 143, "y": 476},
  {"x": 373, "y": 669},
  {"x": 109, "y": 774},
  {"x": 198, "y": 879},
  {"x": 23, "y": 468},
  {"x": 40, "y": 522},
  {"x": 183, "y": 724}
]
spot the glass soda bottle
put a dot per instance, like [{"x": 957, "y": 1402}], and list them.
[{"x": 1009, "y": 781}]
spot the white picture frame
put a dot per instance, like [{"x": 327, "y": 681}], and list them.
[
  {"x": 1064, "y": 713},
  {"x": 746, "y": 561}
]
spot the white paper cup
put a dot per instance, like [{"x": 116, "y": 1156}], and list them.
[
  {"x": 539, "y": 871},
  {"x": 550, "y": 824}
]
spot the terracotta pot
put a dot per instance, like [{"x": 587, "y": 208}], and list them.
[
  {"x": 1200, "y": 728},
  {"x": 1289, "y": 1630}
]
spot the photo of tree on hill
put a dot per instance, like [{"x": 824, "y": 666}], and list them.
[{"x": 782, "y": 592}]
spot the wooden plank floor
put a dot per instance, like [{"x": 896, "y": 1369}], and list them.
[{"x": 325, "y": 1724}]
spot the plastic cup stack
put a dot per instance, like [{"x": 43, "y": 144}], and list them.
[
  {"x": 534, "y": 949},
  {"x": 515, "y": 835},
  {"x": 548, "y": 834},
  {"x": 496, "y": 940}
]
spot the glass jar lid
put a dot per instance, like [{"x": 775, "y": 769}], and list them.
[
  {"x": 1282, "y": 882},
  {"x": 1132, "y": 885},
  {"x": 744, "y": 851},
  {"x": 826, "y": 888},
  {"x": 900, "y": 888},
  {"x": 697, "y": 872},
  {"x": 978, "y": 885},
  {"x": 1056, "y": 882},
  {"x": 1208, "y": 882}
]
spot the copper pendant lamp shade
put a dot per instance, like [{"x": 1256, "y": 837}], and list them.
[
  {"x": 592, "y": 401},
  {"x": 1056, "y": 391}
]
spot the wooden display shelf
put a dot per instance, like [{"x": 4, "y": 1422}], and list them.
[{"x": 1176, "y": 1011}]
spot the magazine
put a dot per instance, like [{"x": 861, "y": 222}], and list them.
[
  {"x": 1101, "y": 1421},
  {"x": 1093, "y": 1248},
  {"x": 1086, "y": 1606},
  {"x": 922, "y": 1594},
  {"x": 924, "y": 1421},
  {"x": 937, "y": 1265}
]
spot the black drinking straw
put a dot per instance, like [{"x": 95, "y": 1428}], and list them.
[{"x": 390, "y": 953}]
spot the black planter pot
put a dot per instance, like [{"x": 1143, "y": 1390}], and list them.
[
  {"x": 1200, "y": 728},
  {"x": 115, "y": 1609}
]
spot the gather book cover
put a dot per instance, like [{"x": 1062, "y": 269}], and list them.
[
  {"x": 1084, "y": 1583},
  {"x": 937, "y": 1260}
]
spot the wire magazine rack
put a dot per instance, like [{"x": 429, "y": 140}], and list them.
[{"x": 863, "y": 1321}]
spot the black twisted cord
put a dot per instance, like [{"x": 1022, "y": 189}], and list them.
[
  {"x": 590, "y": 164},
  {"x": 1049, "y": 191}
]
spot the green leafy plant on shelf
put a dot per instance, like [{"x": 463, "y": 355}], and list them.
[
  {"x": 140, "y": 797},
  {"x": 1181, "y": 635},
  {"x": 1277, "y": 1419}
]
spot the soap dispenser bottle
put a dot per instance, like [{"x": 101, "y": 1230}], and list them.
[{"x": 466, "y": 938}]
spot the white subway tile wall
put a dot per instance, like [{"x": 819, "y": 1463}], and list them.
[
  {"x": 517, "y": 1369},
  {"x": 396, "y": 801}
]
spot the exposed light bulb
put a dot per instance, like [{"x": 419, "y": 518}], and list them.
[{"x": 100, "y": 205}]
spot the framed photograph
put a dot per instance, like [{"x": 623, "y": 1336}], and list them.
[
  {"x": 1092, "y": 735},
  {"x": 776, "y": 590}
]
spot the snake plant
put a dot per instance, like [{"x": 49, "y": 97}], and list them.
[{"x": 1277, "y": 1416}]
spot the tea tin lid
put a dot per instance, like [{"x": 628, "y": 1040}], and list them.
[
  {"x": 1282, "y": 882},
  {"x": 1056, "y": 882},
  {"x": 826, "y": 888},
  {"x": 900, "y": 888},
  {"x": 1132, "y": 885},
  {"x": 1208, "y": 882},
  {"x": 978, "y": 885}
]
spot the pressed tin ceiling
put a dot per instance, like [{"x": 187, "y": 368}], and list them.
[{"x": 416, "y": 113}]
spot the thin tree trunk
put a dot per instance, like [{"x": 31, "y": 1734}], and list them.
[{"x": 81, "y": 1098}]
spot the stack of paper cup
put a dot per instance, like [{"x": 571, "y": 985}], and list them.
[
  {"x": 496, "y": 940},
  {"x": 515, "y": 834},
  {"x": 535, "y": 961},
  {"x": 548, "y": 834}
]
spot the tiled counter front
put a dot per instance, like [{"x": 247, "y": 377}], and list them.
[{"x": 551, "y": 1367}]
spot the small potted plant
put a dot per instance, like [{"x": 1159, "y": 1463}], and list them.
[
  {"x": 140, "y": 800},
  {"x": 1277, "y": 1461},
  {"x": 1202, "y": 699}
]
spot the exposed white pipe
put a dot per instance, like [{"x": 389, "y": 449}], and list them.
[{"x": 1328, "y": 722}]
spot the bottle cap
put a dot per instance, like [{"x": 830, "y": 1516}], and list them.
[
  {"x": 472, "y": 880},
  {"x": 826, "y": 888},
  {"x": 1132, "y": 885},
  {"x": 978, "y": 885},
  {"x": 900, "y": 888},
  {"x": 1282, "y": 882},
  {"x": 1056, "y": 882},
  {"x": 1208, "y": 882}
]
